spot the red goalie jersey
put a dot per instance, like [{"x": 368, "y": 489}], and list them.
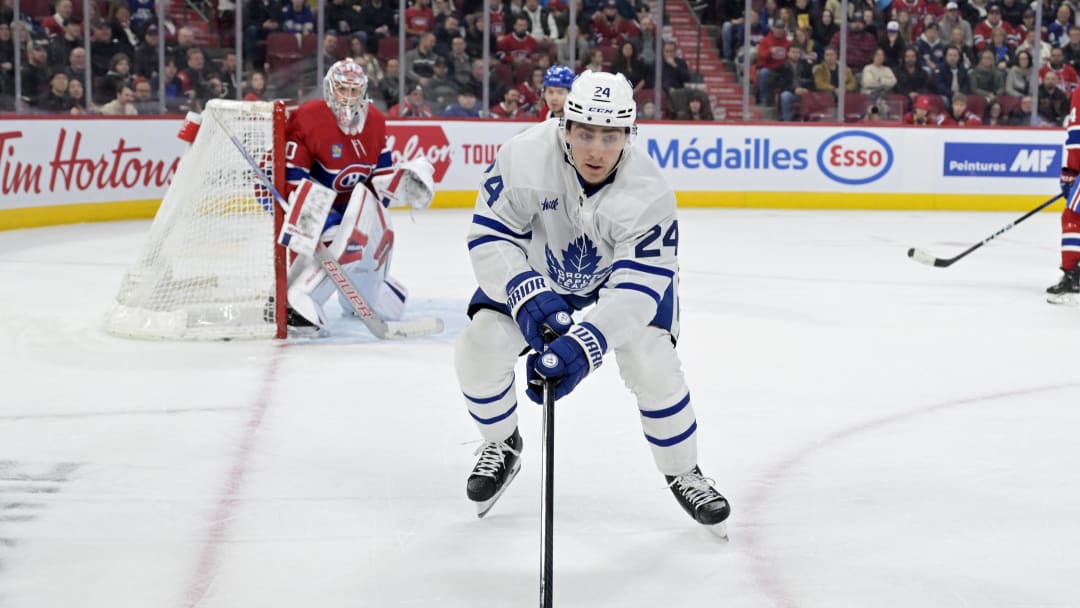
[{"x": 317, "y": 149}]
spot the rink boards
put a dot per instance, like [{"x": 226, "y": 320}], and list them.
[{"x": 64, "y": 170}]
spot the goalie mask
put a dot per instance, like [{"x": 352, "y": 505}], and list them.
[{"x": 345, "y": 92}]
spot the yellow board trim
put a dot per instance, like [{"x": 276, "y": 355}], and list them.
[
  {"x": 818, "y": 200},
  {"x": 31, "y": 217}
]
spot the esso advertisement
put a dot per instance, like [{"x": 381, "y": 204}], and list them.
[
  {"x": 760, "y": 158},
  {"x": 854, "y": 158}
]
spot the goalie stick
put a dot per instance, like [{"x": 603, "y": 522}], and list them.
[
  {"x": 923, "y": 257},
  {"x": 380, "y": 328}
]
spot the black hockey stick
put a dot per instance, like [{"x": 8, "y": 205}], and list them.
[
  {"x": 548, "y": 505},
  {"x": 382, "y": 329},
  {"x": 925, "y": 258}
]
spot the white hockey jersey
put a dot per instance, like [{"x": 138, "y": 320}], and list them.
[{"x": 615, "y": 244}]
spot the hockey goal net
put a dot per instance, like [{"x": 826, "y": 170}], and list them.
[{"x": 210, "y": 268}]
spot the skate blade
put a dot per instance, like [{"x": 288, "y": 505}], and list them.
[
  {"x": 1064, "y": 299},
  {"x": 719, "y": 530},
  {"x": 482, "y": 508}
]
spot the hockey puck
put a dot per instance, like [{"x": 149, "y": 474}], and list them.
[{"x": 911, "y": 252}]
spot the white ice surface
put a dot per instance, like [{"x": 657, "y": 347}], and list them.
[{"x": 889, "y": 434}]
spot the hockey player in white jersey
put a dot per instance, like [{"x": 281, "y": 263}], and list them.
[{"x": 571, "y": 218}]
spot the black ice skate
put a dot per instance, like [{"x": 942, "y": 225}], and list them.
[
  {"x": 498, "y": 465},
  {"x": 292, "y": 319},
  {"x": 1067, "y": 291},
  {"x": 700, "y": 499}
]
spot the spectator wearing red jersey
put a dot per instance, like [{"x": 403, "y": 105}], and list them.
[
  {"x": 54, "y": 24},
  {"x": 509, "y": 107},
  {"x": 412, "y": 107},
  {"x": 1067, "y": 78},
  {"x": 772, "y": 53},
  {"x": 256, "y": 89},
  {"x": 1026, "y": 25},
  {"x": 957, "y": 114},
  {"x": 518, "y": 46},
  {"x": 916, "y": 9},
  {"x": 531, "y": 90},
  {"x": 985, "y": 29},
  {"x": 609, "y": 28},
  {"x": 920, "y": 114},
  {"x": 419, "y": 18}
]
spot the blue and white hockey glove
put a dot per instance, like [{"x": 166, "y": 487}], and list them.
[
  {"x": 534, "y": 305},
  {"x": 1068, "y": 178},
  {"x": 567, "y": 360}
]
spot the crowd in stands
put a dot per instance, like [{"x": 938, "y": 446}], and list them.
[
  {"x": 442, "y": 67},
  {"x": 904, "y": 58},
  {"x": 943, "y": 62}
]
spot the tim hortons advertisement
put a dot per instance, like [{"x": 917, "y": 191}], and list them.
[{"x": 47, "y": 162}]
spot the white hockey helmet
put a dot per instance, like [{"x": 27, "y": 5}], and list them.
[
  {"x": 345, "y": 92},
  {"x": 601, "y": 99}
]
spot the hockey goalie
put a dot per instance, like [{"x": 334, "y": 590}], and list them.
[
  {"x": 341, "y": 176},
  {"x": 318, "y": 181}
]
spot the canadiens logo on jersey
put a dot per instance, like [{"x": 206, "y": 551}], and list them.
[
  {"x": 579, "y": 269},
  {"x": 316, "y": 149}
]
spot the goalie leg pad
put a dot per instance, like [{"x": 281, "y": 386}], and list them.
[
  {"x": 363, "y": 243},
  {"x": 309, "y": 206},
  {"x": 650, "y": 368},
  {"x": 484, "y": 357}
]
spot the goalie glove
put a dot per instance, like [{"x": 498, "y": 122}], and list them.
[{"x": 411, "y": 183}]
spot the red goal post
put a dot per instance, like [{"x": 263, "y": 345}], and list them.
[{"x": 211, "y": 268}]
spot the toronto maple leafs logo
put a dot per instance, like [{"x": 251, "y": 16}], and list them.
[{"x": 579, "y": 267}]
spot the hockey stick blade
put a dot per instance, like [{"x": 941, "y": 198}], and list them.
[
  {"x": 925, "y": 258},
  {"x": 413, "y": 328},
  {"x": 384, "y": 330}
]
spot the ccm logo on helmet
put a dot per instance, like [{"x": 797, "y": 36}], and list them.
[
  {"x": 855, "y": 157},
  {"x": 350, "y": 177},
  {"x": 601, "y": 110}
]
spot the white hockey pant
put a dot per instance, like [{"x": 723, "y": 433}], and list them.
[
  {"x": 362, "y": 243},
  {"x": 488, "y": 349}
]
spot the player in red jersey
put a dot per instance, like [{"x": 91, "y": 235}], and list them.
[
  {"x": 1067, "y": 291},
  {"x": 341, "y": 175}
]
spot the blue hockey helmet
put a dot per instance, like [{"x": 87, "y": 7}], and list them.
[{"x": 559, "y": 76}]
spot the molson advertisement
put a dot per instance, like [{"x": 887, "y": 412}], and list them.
[{"x": 66, "y": 170}]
